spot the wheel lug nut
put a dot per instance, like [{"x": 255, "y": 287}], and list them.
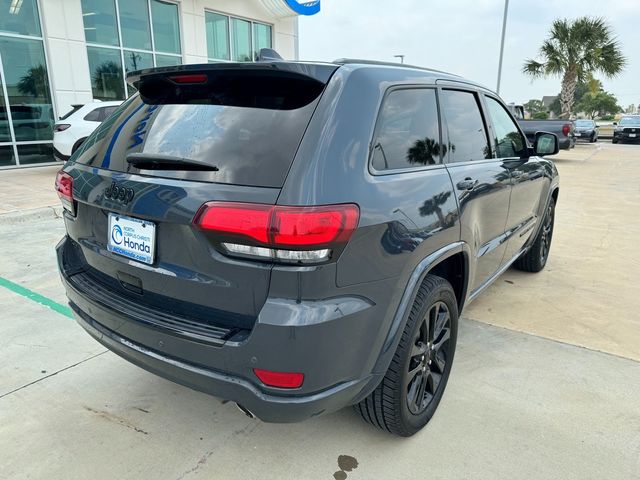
[
  {"x": 422, "y": 357},
  {"x": 424, "y": 369},
  {"x": 429, "y": 362}
]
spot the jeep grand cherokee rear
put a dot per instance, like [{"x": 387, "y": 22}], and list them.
[{"x": 287, "y": 235}]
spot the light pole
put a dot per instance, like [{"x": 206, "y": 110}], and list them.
[
  {"x": 504, "y": 28},
  {"x": 401, "y": 57}
]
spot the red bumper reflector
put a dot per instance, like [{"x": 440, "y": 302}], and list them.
[{"x": 279, "y": 379}]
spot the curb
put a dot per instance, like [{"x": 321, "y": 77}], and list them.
[{"x": 31, "y": 215}]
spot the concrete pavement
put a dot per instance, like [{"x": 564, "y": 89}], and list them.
[
  {"x": 588, "y": 293},
  {"x": 517, "y": 405}
]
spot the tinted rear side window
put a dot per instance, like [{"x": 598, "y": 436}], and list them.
[
  {"x": 248, "y": 145},
  {"x": 94, "y": 115},
  {"x": 407, "y": 133},
  {"x": 467, "y": 133}
]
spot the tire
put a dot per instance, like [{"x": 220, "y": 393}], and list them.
[
  {"x": 614, "y": 140},
  {"x": 536, "y": 257},
  {"x": 77, "y": 145},
  {"x": 592, "y": 139},
  {"x": 396, "y": 404}
]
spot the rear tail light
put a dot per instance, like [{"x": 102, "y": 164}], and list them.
[
  {"x": 280, "y": 233},
  {"x": 64, "y": 187},
  {"x": 566, "y": 128},
  {"x": 279, "y": 379},
  {"x": 61, "y": 127}
]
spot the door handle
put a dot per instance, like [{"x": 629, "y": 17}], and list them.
[{"x": 467, "y": 184}]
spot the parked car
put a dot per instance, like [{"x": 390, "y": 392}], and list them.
[
  {"x": 586, "y": 129},
  {"x": 563, "y": 129},
  {"x": 30, "y": 121},
  {"x": 627, "y": 129},
  {"x": 300, "y": 237},
  {"x": 73, "y": 128}
]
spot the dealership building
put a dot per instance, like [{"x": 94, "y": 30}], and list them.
[{"x": 59, "y": 53}]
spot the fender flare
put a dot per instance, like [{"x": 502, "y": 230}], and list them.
[{"x": 411, "y": 289}]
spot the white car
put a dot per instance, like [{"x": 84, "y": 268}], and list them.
[{"x": 73, "y": 128}]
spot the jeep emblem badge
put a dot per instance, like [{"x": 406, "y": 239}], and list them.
[{"x": 119, "y": 193}]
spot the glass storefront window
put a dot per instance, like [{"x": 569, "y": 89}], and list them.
[
  {"x": 241, "y": 32},
  {"x": 134, "y": 24},
  {"x": 105, "y": 67},
  {"x": 166, "y": 27},
  {"x": 38, "y": 153},
  {"x": 6, "y": 156},
  {"x": 20, "y": 16},
  {"x": 167, "y": 60},
  {"x": 261, "y": 38},
  {"x": 27, "y": 83},
  {"x": 136, "y": 61},
  {"x": 246, "y": 38},
  {"x": 5, "y": 132},
  {"x": 99, "y": 17},
  {"x": 217, "y": 27}
]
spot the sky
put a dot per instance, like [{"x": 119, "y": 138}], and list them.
[{"x": 463, "y": 37}]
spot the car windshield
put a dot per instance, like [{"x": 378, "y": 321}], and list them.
[
  {"x": 584, "y": 123},
  {"x": 630, "y": 121}
]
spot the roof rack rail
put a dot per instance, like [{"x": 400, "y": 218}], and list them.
[{"x": 348, "y": 61}]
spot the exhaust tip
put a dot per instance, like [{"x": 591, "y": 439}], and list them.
[{"x": 245, "y": 411}]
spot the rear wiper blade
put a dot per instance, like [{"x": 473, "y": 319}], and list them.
[{"x": 159, "y": 161}]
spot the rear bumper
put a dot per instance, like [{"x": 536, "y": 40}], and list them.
[
  {"x": 565, "y": 143},
  {"x": 224, "y": 369}
]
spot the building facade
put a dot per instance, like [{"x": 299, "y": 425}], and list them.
[{"x": 58, "y": 53}]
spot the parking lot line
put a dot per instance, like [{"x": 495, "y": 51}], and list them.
[{"x": 36, "y": 297}]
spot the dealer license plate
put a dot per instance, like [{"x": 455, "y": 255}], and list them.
[{"x": 132, "y": 238}]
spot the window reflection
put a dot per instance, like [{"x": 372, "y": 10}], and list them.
[
  {"x": 99, "y": 17},
  {"x": 508, "y": 141},
  {"x": 261, "y": 38},
  {"x": 217, "y": 27},
  {"x": 105, "y": 67},
  {"x": 20, "y": 17},
  {"x": 166, "y": 29},
  {"x": 39, "y": 153},
  {"x": 6, "y": 156},
  {"x": 134, "y": 24},
  {"x": 465, "y": 126},
  {"x": 27, "y": 86},
  {"x": 407, "y": 133},
  {"x": 241, "y": 32}
]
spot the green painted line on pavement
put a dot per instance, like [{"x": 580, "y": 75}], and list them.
[{"x": 36, "y": 297}]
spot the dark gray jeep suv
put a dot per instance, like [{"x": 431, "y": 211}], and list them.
[{"x": 299, "y": 237}]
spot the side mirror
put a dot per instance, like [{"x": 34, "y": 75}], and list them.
[
  {"x": 546, "y": 144},
  {"x": 615, "y": 124}
]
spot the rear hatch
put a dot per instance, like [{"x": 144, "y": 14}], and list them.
[{"x": 193, "y": 134}]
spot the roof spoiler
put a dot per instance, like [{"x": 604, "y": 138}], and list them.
[{"x": 268, "y": 61}]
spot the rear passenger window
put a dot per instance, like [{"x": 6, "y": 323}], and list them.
[
  {"x": 94, "y": 115},
  {"x": 467, "y": 133},
  {"x": 407, "y": 134}
]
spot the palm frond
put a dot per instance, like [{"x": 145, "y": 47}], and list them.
[{"x": 533, "y": 68}]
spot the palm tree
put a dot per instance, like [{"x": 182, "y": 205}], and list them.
[
  {"x": 34, "y": 82},
  {"x": 574, "y": 50}
]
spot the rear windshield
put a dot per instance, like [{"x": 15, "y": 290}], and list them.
[{"x": 243, "y": 144}]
